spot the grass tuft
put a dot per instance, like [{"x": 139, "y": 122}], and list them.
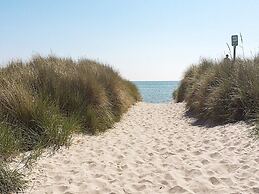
[
  {"x": 11, "y": 181},
  {"x": 47, "y": 99},
  {"x": 221, "y": 91}
]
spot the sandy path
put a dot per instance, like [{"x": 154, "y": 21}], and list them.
[{"x": 154, "y": 149}]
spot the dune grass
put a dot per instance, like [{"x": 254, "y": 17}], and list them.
[
  {"x": 221, "y": 91},
  {"x": 11, "y": 181},
  {"x": 47, "y": 99}
]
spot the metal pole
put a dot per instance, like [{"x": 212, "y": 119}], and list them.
[{"x": 234, "y": 54}]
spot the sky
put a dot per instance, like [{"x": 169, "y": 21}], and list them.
[{"x": 142, "y": 39}]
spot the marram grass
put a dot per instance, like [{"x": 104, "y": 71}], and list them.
[
  {"x": 11, "y": 181},
  {"x": 221, "y": 91},
  {"x": 47, "y": 99}
]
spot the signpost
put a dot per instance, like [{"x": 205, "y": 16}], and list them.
[{"x": 234, "y": 42}]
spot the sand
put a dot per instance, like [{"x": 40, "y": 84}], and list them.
[{"x": 153, "y": 149}]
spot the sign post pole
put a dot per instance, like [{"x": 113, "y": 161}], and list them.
[{"x": 234, "y": 42}]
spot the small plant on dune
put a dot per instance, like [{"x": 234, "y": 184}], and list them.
[
  {"x": 9, "y": 143},
  {"x": 11, "y": 181}
]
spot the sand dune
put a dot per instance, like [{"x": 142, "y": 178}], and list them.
[{"x": 154, "y": 149}]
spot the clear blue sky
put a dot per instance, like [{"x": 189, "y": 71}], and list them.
[{"x": 143, "y": 39}]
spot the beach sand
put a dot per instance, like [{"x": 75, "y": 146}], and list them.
[{"x": 153, "y": 149}]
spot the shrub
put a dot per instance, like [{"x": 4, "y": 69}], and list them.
[
  {"x": 47, "y": 99},
  {"x": 221, "y": 91}
]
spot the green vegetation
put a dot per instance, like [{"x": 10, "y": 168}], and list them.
[
  {"x": 45, "y": 100},
  {"x": 221, "y": 91},
  {"x": 10, "y": 180}
]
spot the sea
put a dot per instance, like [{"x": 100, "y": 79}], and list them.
[{"x": 156, "y": 91}]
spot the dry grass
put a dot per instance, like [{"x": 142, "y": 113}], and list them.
[
  {"x": 10, "y": 180},
  {"x": 44, "y": 101},
  {"x": 222, "y": 91}
]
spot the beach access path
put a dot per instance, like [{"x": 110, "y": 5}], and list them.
[{"x": 156, "y": 149}]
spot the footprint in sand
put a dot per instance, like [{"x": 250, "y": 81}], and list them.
[
  {"x": 245, "y": 167},
  {"x": 252, "y": 183},
  {"x": 168, "y": 176},
  {"x": 139, "y": 187},
  {"x": 187, "y": 179},
  {"x": 193, "y": 172},
  {"x": 164, "y": 182},
  {"x": 231, "y": 148},
  {"x": 139, "y": 162},
  {"x": 98, "y": 175},
  {"x": 228, "y": 181},
  {"x": 197, "y": 153},
  {"x": 150, "y": 154},
  {"x": 177, "y": 189},
  {"x": 205, "y": 162},
  {"x": 74, "y": 171},
  {"x": 237, "y": 143},
  {"x": 206, "y": 141},
  {"x": 66, "y": 161},
  {"x": 58, "y": 178},
  {"x": 214, "y": 180},
  {"x": 62, "y": 188},
  {"x": 215, "y": 155},
  {"x": 180, "y": 150},
  {"x": 256, "y": 189},
  {"x": 125, "y": 166},
  {"x": 145, "y": 181},
  {"x": 210, "y": 173},
  {"x": 120, "y": 156},
  {"x": 223, "y": 161},
  {"x": 231, "y": 167}
]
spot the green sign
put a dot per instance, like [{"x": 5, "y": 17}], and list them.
[{"x": 234, "y": 40}]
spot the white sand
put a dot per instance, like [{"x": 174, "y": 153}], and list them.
[{"x": 154, "y": 149}]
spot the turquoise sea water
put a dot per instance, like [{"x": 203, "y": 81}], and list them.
[{"x": 156, "y": 91}]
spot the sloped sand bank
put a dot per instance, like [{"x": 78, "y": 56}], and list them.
[{"x": 154, "y": 149}]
